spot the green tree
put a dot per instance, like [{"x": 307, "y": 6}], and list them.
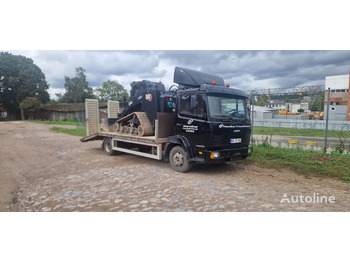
[
  {"x": 20, "y": 78},
  {"x": 77, "y": 88},
  {"x": 262, "y": 101},
  {"x": 300, "y": 110},
  {"x": 318, "y": 103},
  {"x": 30, "y": 105},
  {"x": 111, "y": 90}
]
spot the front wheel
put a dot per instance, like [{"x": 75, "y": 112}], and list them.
[{"x": 178, "y": 160}]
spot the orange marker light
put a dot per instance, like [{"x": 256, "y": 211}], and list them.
[
  {"x": 227, "y": 85},
  {"x": 214, "y": 82}
]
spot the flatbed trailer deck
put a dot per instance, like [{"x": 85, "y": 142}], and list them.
[{"x": 152, "y": 145}]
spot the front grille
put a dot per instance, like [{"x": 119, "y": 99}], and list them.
[
  {"x": 230, "y": 154},
  {"x": 223, "y": 141}
]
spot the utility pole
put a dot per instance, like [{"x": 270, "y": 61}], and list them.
[{"x": 327, "y": 117}]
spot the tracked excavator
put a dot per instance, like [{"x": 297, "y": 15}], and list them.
[{"x": 140, "y": 112}]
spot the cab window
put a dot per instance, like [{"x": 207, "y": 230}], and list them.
[{"x": 185, "y": 106}]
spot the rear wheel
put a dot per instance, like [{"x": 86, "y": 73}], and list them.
[
  {"x": 178, "y": 160},
  {"x": 107, "y": 146}
]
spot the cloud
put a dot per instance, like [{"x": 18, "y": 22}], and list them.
[{"x": 242, "y": 69}]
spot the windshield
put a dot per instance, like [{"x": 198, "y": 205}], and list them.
[{"x": 227, "y": 107}]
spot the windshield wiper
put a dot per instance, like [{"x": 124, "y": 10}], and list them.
[
  {"x": 239, "y": 118},
  {"x": 230, "y": 117}
]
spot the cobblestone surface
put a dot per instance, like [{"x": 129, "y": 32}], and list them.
[{"x": 55, "y": 172}]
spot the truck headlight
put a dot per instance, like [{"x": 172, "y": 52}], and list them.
[{"x": 214, "y": 155}]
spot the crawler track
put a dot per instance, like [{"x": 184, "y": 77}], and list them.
[{"x": 136, "y": 123}]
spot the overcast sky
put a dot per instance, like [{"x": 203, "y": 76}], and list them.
[{"x": 241, "y": 69}]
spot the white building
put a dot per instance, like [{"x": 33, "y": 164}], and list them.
[
  {"x": 294, "y": 107},
  {"x": 305, "y": 106},
  {"x": 339, "y": 97},
  {"x": 277, "y": 105},
  {"x": 263, "y": 112}
]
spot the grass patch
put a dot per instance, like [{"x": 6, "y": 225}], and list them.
[
  {"x": 259, "y": 130},
  {"x": 346, "y": 179},
  {"x": 71, "y": 131},
  {"x": 305, "y": 162},
  {"x": 69, "y": 123}
]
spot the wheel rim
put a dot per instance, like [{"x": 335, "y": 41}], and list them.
[
  {"x": 108, "y": 146},
  {"x": 140, "y": 130},
  {"x": 116, "y": 127},
  {"x": 178, "y": 159}
]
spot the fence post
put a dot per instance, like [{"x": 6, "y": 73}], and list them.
[
  {"x": 327, "y": 117},
  {"x": 252, "y": 120}
]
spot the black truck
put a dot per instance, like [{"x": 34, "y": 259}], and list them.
[{"x": 199, "y": 120}]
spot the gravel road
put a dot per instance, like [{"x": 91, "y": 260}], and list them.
[{"x": 41, "y": 170}]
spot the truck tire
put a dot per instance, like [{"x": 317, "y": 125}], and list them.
[
  {"x": 107, "y": 147},
  {"x": 178, "y": 160}
]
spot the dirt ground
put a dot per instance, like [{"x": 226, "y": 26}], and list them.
[{"x": 41, "y": 170}]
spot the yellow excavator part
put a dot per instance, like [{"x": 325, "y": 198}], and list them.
[{"x": 285, "y": 112}]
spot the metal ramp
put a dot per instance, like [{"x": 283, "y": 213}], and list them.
[
  {"x": 113, "y": 109},
  {"x": 92, "y": 116}
]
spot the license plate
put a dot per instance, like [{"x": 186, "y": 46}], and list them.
[{"x": 235, "y": 140}]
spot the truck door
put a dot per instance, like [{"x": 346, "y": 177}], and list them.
[{"x": 191, "y": 118}]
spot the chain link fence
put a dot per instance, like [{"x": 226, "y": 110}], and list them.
[{"x": 308, "y": 117}]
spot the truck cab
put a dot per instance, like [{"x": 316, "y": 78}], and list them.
[{"x": 212, "y": 121}]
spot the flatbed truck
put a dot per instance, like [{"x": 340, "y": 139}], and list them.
[{"x": 202, "y": 121}]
